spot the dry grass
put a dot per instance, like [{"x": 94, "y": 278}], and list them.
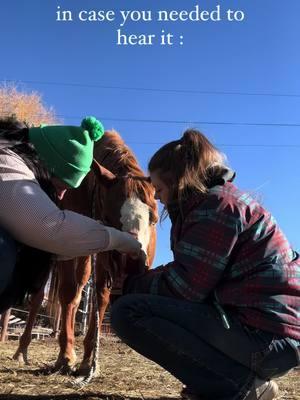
[{"x": 124, "y": 375}]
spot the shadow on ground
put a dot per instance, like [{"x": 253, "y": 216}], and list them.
[{"x": 78, "y": 396}]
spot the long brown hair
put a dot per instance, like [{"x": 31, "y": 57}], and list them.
[{"x": 187, "y": 165}]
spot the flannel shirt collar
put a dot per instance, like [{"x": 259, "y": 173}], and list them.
[{"x": 195, "y": 198}]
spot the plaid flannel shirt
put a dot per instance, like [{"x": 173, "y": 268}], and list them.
[{"x": 227, "y": 246}]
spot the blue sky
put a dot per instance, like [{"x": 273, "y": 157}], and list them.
[{"x": 238, "y": 82}]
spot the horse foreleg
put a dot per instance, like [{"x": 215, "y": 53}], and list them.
[
  {"x": 21, "y": 355},
  {"x": 73, "y": 278},
  {"x": 103, "y": 294}
]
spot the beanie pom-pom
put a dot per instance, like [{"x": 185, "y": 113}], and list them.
[{"x": 94, "y": 127}]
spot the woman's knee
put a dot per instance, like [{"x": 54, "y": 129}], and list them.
[
  {"x": 119, "y": 312},
  {"x": 125, "y": 312}
]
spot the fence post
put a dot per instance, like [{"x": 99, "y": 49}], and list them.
[{"x": 4, "y": 324}]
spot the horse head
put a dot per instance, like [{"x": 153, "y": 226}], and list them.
[{"x": 125, "y": 197}]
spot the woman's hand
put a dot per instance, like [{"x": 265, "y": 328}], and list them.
[
  {"x": 130, "y": 246},
  {"x": 136, "y": 263},
  {"x": 123, "y": 242},
  {"x": 141, "y": 255}
]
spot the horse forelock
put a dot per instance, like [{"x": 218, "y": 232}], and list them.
[{"x": 115, "y": 155}]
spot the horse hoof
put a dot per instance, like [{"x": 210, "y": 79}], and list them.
[
  {"x": 21, "y": 358},
  {"x": 85, "y": 369},
  {"x": 64, "y": 369}
]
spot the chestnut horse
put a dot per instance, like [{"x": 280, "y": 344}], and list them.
[{"x": 124, "y": 199}]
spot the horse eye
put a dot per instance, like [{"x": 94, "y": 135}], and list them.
[{"x": 152, "y": 218}]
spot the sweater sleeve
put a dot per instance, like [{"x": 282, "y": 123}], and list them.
[
  {"x": 30, "y": 216},
  {"x": 200, "y": 256}
]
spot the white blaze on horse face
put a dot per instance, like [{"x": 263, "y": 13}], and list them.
[{"x": 135, "y": 219}]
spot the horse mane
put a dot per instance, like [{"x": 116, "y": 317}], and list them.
[{"x": 115, "y": 155}]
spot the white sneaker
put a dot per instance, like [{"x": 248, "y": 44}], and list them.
[{"x": 262, "y": 390}]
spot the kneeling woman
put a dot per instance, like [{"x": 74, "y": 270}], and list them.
[{"x": 224, "y": 316}]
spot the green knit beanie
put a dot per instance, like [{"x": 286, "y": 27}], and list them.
[{"x": 67, "y": 151}]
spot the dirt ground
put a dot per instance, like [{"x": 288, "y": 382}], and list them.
[{"x": 124, "y": 375}]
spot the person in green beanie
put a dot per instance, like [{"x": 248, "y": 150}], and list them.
[
  {"x": 67, "y": 151},
  {"x": 37, "y": 166}
]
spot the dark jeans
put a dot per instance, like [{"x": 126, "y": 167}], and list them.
[
  {"x": 8, "y": 255},
  {"x": 189, "y": 340}
]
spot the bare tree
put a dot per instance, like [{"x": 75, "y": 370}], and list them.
[{"x": 27, "y": 107}]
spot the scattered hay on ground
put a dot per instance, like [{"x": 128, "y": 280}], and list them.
[{"x": 124, "y": 375}]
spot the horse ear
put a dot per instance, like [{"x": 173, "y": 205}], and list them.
[{"x": 102, "y": 174}]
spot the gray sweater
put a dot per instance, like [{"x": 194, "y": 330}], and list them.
[{"x": 32, "y": 218}]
